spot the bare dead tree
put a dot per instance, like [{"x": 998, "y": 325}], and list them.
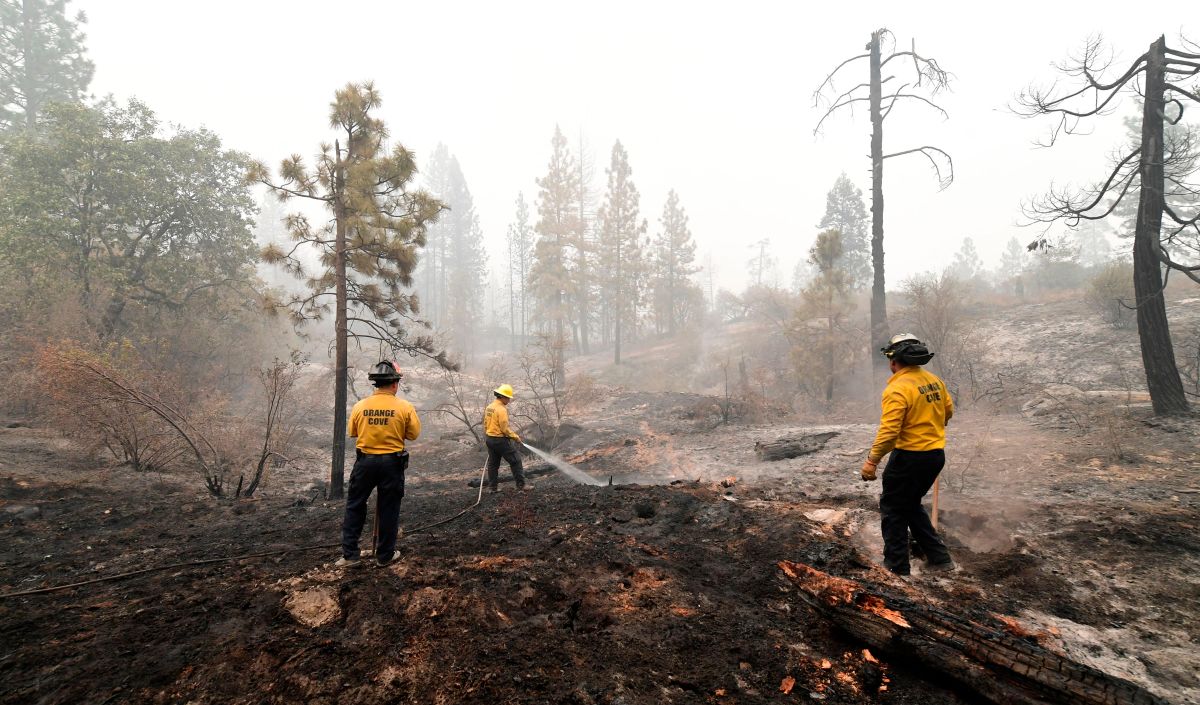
[
  {"x": 540, "y": 368},
  {"x": 1152, "y": 165},
  {"x": 926, "y": 76},
  {"x": 464, "y": 404},
  {"x": 278, "y": 382}
]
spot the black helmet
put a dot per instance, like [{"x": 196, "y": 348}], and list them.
[
  {"x": 906, "y": 348},
  {"x": 384, "y": 373}
]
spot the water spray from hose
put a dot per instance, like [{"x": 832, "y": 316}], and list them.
[{"x": 566, "y": 468}]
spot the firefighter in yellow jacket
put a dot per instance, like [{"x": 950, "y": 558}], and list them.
[
  {"x": 381, "y": 424},
  {"x": 916, "y": 408},
  {"x": 502, "y": 441}
]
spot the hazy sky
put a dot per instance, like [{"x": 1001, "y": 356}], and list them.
[{"x": 711, "y": 99}]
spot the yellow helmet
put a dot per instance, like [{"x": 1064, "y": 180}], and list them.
[{"x": 504, "y": 390}]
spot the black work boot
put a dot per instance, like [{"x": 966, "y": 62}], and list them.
[{"x": 947, "y": 567}]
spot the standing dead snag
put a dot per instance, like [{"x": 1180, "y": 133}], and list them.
[
  {"x": 927, "y": 74},
  {"x": 990, "y": 659},
  {"x": 1160, "y": 163}
]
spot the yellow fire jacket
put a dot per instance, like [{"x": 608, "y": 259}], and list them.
[
  {"x": 382, "y": 422},
  {"x": 495, "y": 422},
  {"x": 916, "y": 407}
]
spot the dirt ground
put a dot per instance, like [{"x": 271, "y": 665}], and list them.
[
  {"x": 660, "y": 588},
  {"x": 1067, "y": 508}
]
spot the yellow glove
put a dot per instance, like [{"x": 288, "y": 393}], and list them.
[{"x": 868, "y": 470}]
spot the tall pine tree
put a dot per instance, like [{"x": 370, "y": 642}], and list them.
[
  {"x": 558, "y": 216},
  {"x": 620, "y": 250},
  {"x": 674, "y": 254},
  {"x": 451, "y": 274},
  {"x": 846, "y": 212},
  {"x": 583, "y": 256},
  {"x": 827, "y": 297},
  {"x": 368, "y": 246},
  {"x": 42, "y": 59},
  {"x": 520, "y": 262}
]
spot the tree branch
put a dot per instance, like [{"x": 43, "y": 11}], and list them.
[
  {"x": 935, "y": 106},
  {"x": 829, "y": 78},
  {"x": 943, "y": 181}
]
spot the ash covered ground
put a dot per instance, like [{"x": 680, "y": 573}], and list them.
[{"x": 660, "y": 588}]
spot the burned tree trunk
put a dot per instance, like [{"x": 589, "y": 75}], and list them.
[
  {"x": 792, "y": 446},
  {"x": 990, "y": 659},
  {"x": 879, "y": 319},
  {"x": 1158, "y": 355},
  {"x": 927, "y": 72},
  {"x": 1161, "y": 169}
]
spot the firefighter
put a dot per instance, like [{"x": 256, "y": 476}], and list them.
[
  {"x": 916, "y": 407},
  {"x": 381, "y": 423},
  {"x": 502, "y": 441}
]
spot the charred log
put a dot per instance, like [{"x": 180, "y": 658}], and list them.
[
  {"x": 991, "y": 658},
  {"x": 792, "y": 446}
]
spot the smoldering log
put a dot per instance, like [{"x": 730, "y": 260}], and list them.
[
  {"x": 792, "y": 446},
  {"x": 989, "y": 658}
]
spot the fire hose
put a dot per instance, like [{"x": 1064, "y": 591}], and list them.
[{"x": 230, "y": 559}]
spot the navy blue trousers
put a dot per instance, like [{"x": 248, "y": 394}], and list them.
[
  {"x": 385, "y": 475},
  {"x": 908, "y": 476}
]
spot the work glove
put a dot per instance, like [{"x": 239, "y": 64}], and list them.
[{"x": 868, "y": 470}]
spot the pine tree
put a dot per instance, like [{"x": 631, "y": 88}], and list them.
[
  {"x": 451, "y": 273},
  {"x": 1014, "y": 260},
  {"x": 674, "y": 254},
  {"x": 42, "y": 59},
  {"x": 761, "y": 264},
  {"x": 520, "y": 262},
  {"x": 802, "y": 275},
  {"x": 368, "y": 248},
  {"x": 846, "y": 212},
  {"x": 827, "y": 296},
  {"x": 967, "y": 264},
  {"x": 558, "y": 215},
  {"x": 620, "y": 249},
  {"x": 584, "y": 250}
]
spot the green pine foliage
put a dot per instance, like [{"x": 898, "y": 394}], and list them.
[
  {"x": 675, "y": 298},
  {"x": 846, "y": 212},
  {"x": 42, "y": 60},
  {"x": 558, "y": 222},
  {"x": 621, "y": 257},
  {"x": 365, "y": 189}
]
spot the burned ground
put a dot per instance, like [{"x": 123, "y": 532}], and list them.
[
  {"x": 1077, "y": 519},
  {"x": 623, "y": 594},
  {"x": 565, "y": 594}
]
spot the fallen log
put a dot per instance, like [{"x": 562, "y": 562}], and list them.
[
  {"x": 987, "y": 657},
  {"x": 792, "y": 446}
]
